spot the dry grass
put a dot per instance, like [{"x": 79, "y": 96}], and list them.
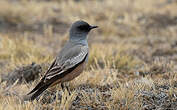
[{"x": 132, "y": 64}]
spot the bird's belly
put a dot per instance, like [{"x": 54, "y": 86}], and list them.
[{"x": 76, "y": 72}]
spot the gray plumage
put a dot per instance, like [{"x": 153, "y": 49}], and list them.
[{"x": 70, "y": 60}]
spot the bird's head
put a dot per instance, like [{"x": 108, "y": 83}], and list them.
[{"x": 80, "y": 29}]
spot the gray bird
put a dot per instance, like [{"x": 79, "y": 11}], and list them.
[{"x": 70, "y": 61}]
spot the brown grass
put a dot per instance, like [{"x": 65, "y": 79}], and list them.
[{"x": 132, "y": 63}]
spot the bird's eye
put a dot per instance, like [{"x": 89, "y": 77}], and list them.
[{"x": 84, "y": 27}]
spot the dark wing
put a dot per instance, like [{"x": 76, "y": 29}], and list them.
[
  {"x": 61, "y": 67},
  {"x": 70, "y": 59}
]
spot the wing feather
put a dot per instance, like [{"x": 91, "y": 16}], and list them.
[
  {"x": 69, "y": 63},
  {"x": 60, "y": 68}
]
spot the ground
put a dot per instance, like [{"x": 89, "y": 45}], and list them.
[{"x": 133, "y": 54}]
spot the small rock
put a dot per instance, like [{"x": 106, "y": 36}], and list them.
[{"x": 23, "y": 74}]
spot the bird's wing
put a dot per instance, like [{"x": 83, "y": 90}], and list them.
[
  {"x": 67, "y": 60},
  {"x": 62, "y": 65}
]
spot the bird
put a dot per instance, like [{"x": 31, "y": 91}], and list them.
[{"x": 70, "y": 61}]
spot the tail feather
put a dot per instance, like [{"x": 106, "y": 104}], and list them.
[
  {"x": 39, "y": 91},
  {"x": 39, "y": 85}
]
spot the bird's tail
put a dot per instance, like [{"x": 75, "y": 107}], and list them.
[
  {"x": 39, "y": 91},
  {"x": 33, "y": 95}
]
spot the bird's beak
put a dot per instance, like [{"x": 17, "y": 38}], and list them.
[{"x": 92, "y": 27}]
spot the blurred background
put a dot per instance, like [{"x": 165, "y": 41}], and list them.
[{"x": 134, "y": 49}]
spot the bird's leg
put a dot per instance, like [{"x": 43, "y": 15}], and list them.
[
  {"x": 63, "y": 86},
  {"x": 68, "y": 89}
]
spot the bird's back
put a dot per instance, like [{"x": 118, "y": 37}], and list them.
[{"x": 69, "y": 51}]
